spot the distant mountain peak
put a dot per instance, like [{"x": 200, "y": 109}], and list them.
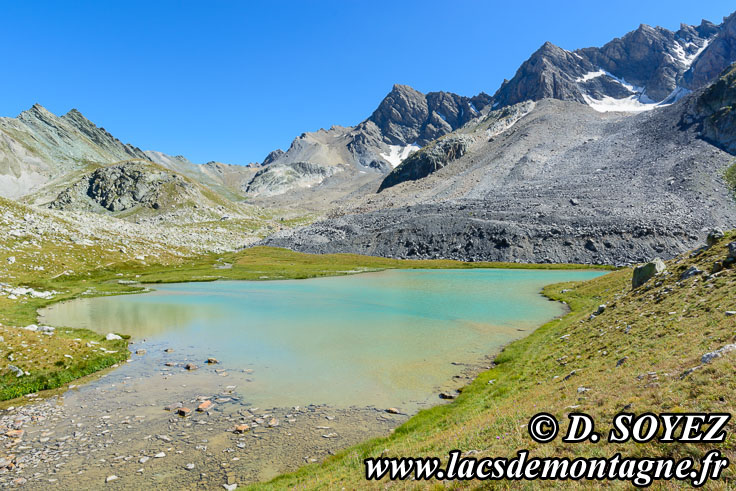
[{"x": 637, "y": 71}]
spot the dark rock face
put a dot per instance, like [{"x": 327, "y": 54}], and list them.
[
  {"x": 429, "y": 159},
  {"x": 715, "y": 112},
  {"x": 124, "y": 186},
  {"x": 719, "y": 54},
  {"x": 406, "y": 116},
  {"x": 550, "y": 72}
]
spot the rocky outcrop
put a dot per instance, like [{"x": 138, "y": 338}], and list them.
[
  {"x": 716, "y": 110},
  {"x": 719, "y": 54},
  {"x": 124, "y": 186},
  {"x": 279, "y": 178},
  {"x": 428, "y": 160}
]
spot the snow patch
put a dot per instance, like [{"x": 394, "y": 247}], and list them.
[
  {"x": 397, "y": 153},
  {"x": 686, "y": 59},
  {"x": 637, "y": 102},
  {"x": 591, "y": 75},
  {"x": 610, "y": 104}
]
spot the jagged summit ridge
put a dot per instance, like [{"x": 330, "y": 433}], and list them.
[{"x": 647, "y": 67}]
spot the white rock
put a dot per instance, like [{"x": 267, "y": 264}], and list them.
[
  {"x": 112, "y": 337},
  {"x": 111, "y": 478},
  {"x": 160, "y": 455}
]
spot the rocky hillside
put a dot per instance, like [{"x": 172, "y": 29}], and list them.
[
  {"x": 404, "y": 121},
  {"x": 38, "y": 146},
  {"x": 555, "y": 182},
  {"x": 126, "y": 186}
]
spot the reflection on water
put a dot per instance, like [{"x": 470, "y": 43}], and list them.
[{"x": 380, "y": 338}]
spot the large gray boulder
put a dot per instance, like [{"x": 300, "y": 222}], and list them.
[{"x": 647, "y": 271}]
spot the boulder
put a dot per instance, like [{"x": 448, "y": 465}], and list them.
[
  {"x": 645, "y": 272},
  {"x": 714, "y": 236}
]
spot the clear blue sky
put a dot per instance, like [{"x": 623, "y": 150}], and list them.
[{"x": 230, "y": 81}]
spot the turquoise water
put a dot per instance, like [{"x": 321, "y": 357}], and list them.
[{"x": 385, "y": 338}]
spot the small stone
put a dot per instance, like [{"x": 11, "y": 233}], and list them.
[
  {"x": 112, "y": 337},
  {"x": 184, "y": 411},
  {"x": 230, "y": 487},
  {"x": 205, "y": 406},
  {"x": 212, "y": 361},
  {"x": 15, "y": 433},
  {"x": 273, "y": 423},
  {"x": 690, "y": 272},
  {"x": 111, "y": 478},
  {"x": 446, "y": 395},
  {"x": 140, "y": 352},
  {"x": 168, "y": 350},
  {"x": 393, "y": 410},
  {"x": 190, "y": 366},
  {"x": 729, "y": 313},
  {"x": 160, "y": 455},
  {"x": 143, "y": 460},
  {"x": 242, "y": 428},
  {"x": 189, "y": 467}
]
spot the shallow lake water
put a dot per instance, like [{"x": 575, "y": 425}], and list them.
[{"x": 390, "y": 338}]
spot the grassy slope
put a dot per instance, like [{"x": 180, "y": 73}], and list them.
[
  {"x": 42, "y": 355},
  {"x": 670, "y": 331}
]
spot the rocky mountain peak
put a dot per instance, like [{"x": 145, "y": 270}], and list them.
[
  {"x": 647, "y": 66},
  {"x": 406, "y": 116},
  {"x": 273, "y": 156},
  {"x": 36, "y": 113},
  {"x": 401, "y": 114}
]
